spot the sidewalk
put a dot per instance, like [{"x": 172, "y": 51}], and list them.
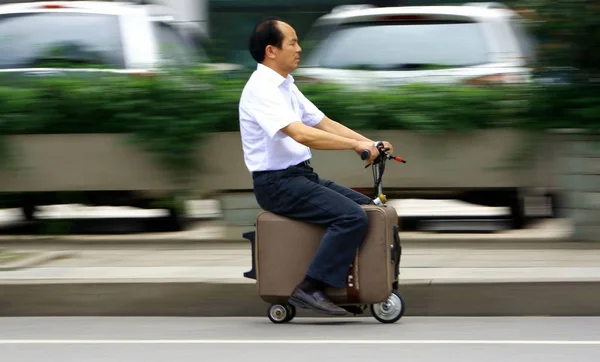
[{"x": 527, "y": 272}]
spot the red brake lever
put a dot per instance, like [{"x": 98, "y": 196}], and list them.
[{"x": 399, "y": 159}]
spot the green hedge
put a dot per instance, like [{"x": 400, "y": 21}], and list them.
[{"x": 170, "y": 112}]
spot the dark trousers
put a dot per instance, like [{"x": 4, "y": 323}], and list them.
[{"x": 299, "y": 193}]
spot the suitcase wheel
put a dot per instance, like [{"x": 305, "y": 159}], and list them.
[
  {"x": 279, "y": 313},
  {"x": 390, "y": 310}
]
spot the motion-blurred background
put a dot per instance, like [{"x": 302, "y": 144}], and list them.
[{"x": 121, "y": 117}]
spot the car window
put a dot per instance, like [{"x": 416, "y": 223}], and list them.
[
  {"x": 402, "y": 45},
  {"x": 60, "y": 39},
  {"x": 173, "y": 47}
]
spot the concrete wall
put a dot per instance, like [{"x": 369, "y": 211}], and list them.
[
  {"x": 482, "y": 159},
  {"x": 579, "y": 176}
]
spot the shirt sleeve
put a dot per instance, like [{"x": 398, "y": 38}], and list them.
[
  {"x": 311, "y": 115},
  {"x": 268, "y": 107}
]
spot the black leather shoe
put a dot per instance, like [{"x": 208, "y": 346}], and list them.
[{"x": 316, "y": 301}]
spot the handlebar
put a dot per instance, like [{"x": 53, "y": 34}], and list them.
[
  {"x": 382, "y": 153},
  {"x": 378, "y": 170}
]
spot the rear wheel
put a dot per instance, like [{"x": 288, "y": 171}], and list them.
[{"x": 291, "y": 312}]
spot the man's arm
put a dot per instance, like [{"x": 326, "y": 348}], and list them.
[
  {"x": 331, "y": 126},
  {"x": 273, "y": 115},
  {"x": 317, "y": 120},
  {"x": 314, "y": 117},
  {"x": 322, "y": 140}
]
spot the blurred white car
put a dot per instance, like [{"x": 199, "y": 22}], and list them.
[
  {"x": 90, "y": 38},
  {"x": 369, "y": 46},
  {"x": 60, "y": 36}
]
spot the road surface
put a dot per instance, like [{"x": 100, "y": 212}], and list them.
[{"x": 304, "y": 339}]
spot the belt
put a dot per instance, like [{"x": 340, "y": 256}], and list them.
[{"x": 301, "y": 164}]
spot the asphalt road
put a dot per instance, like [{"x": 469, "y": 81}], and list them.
[{"x": 313, "y": 339}]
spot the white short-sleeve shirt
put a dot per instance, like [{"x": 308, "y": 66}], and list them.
[{"x": 268, "y": 103}]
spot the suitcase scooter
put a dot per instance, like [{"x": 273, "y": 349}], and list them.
[{"x": 282, "y": 249}]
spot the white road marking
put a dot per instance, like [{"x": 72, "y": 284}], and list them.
[{"x": 306, "y": 341}]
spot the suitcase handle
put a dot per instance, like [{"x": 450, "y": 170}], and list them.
[{"x": 396, "y": 249}]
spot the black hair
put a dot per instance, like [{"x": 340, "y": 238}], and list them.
[{"x": 266, "y": 32}]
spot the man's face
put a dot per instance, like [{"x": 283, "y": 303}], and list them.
[{"x": 288, "y": 57}]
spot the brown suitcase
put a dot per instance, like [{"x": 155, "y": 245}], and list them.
[{"x": 283, "y": 249}]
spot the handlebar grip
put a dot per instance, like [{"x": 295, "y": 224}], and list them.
[
  {"x": 399, "y": 159},
  {"x": 365, "y": 154}
]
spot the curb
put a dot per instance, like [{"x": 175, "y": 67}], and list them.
[
  {"x": 36, "y": 259},
  {"x": 240, "y": 299}
]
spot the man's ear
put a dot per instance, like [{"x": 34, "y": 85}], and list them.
[{"x": 270, "y": 51}]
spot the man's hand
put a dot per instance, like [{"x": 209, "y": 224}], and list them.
[
  {"x": 370, "y": 146},
  {"x": 386, "y": 144}
]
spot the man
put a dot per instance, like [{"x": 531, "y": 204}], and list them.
[{"x": 278, "y": 127}]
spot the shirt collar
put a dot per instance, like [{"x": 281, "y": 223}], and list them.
[{"x": 273, "y": 75}]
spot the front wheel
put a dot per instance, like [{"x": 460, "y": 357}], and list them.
[
  {"x": 390, "y": 310},
  {"x": 279, "y": 313}
]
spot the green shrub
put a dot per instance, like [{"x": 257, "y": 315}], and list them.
[{"x": 169, "y": 113}]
